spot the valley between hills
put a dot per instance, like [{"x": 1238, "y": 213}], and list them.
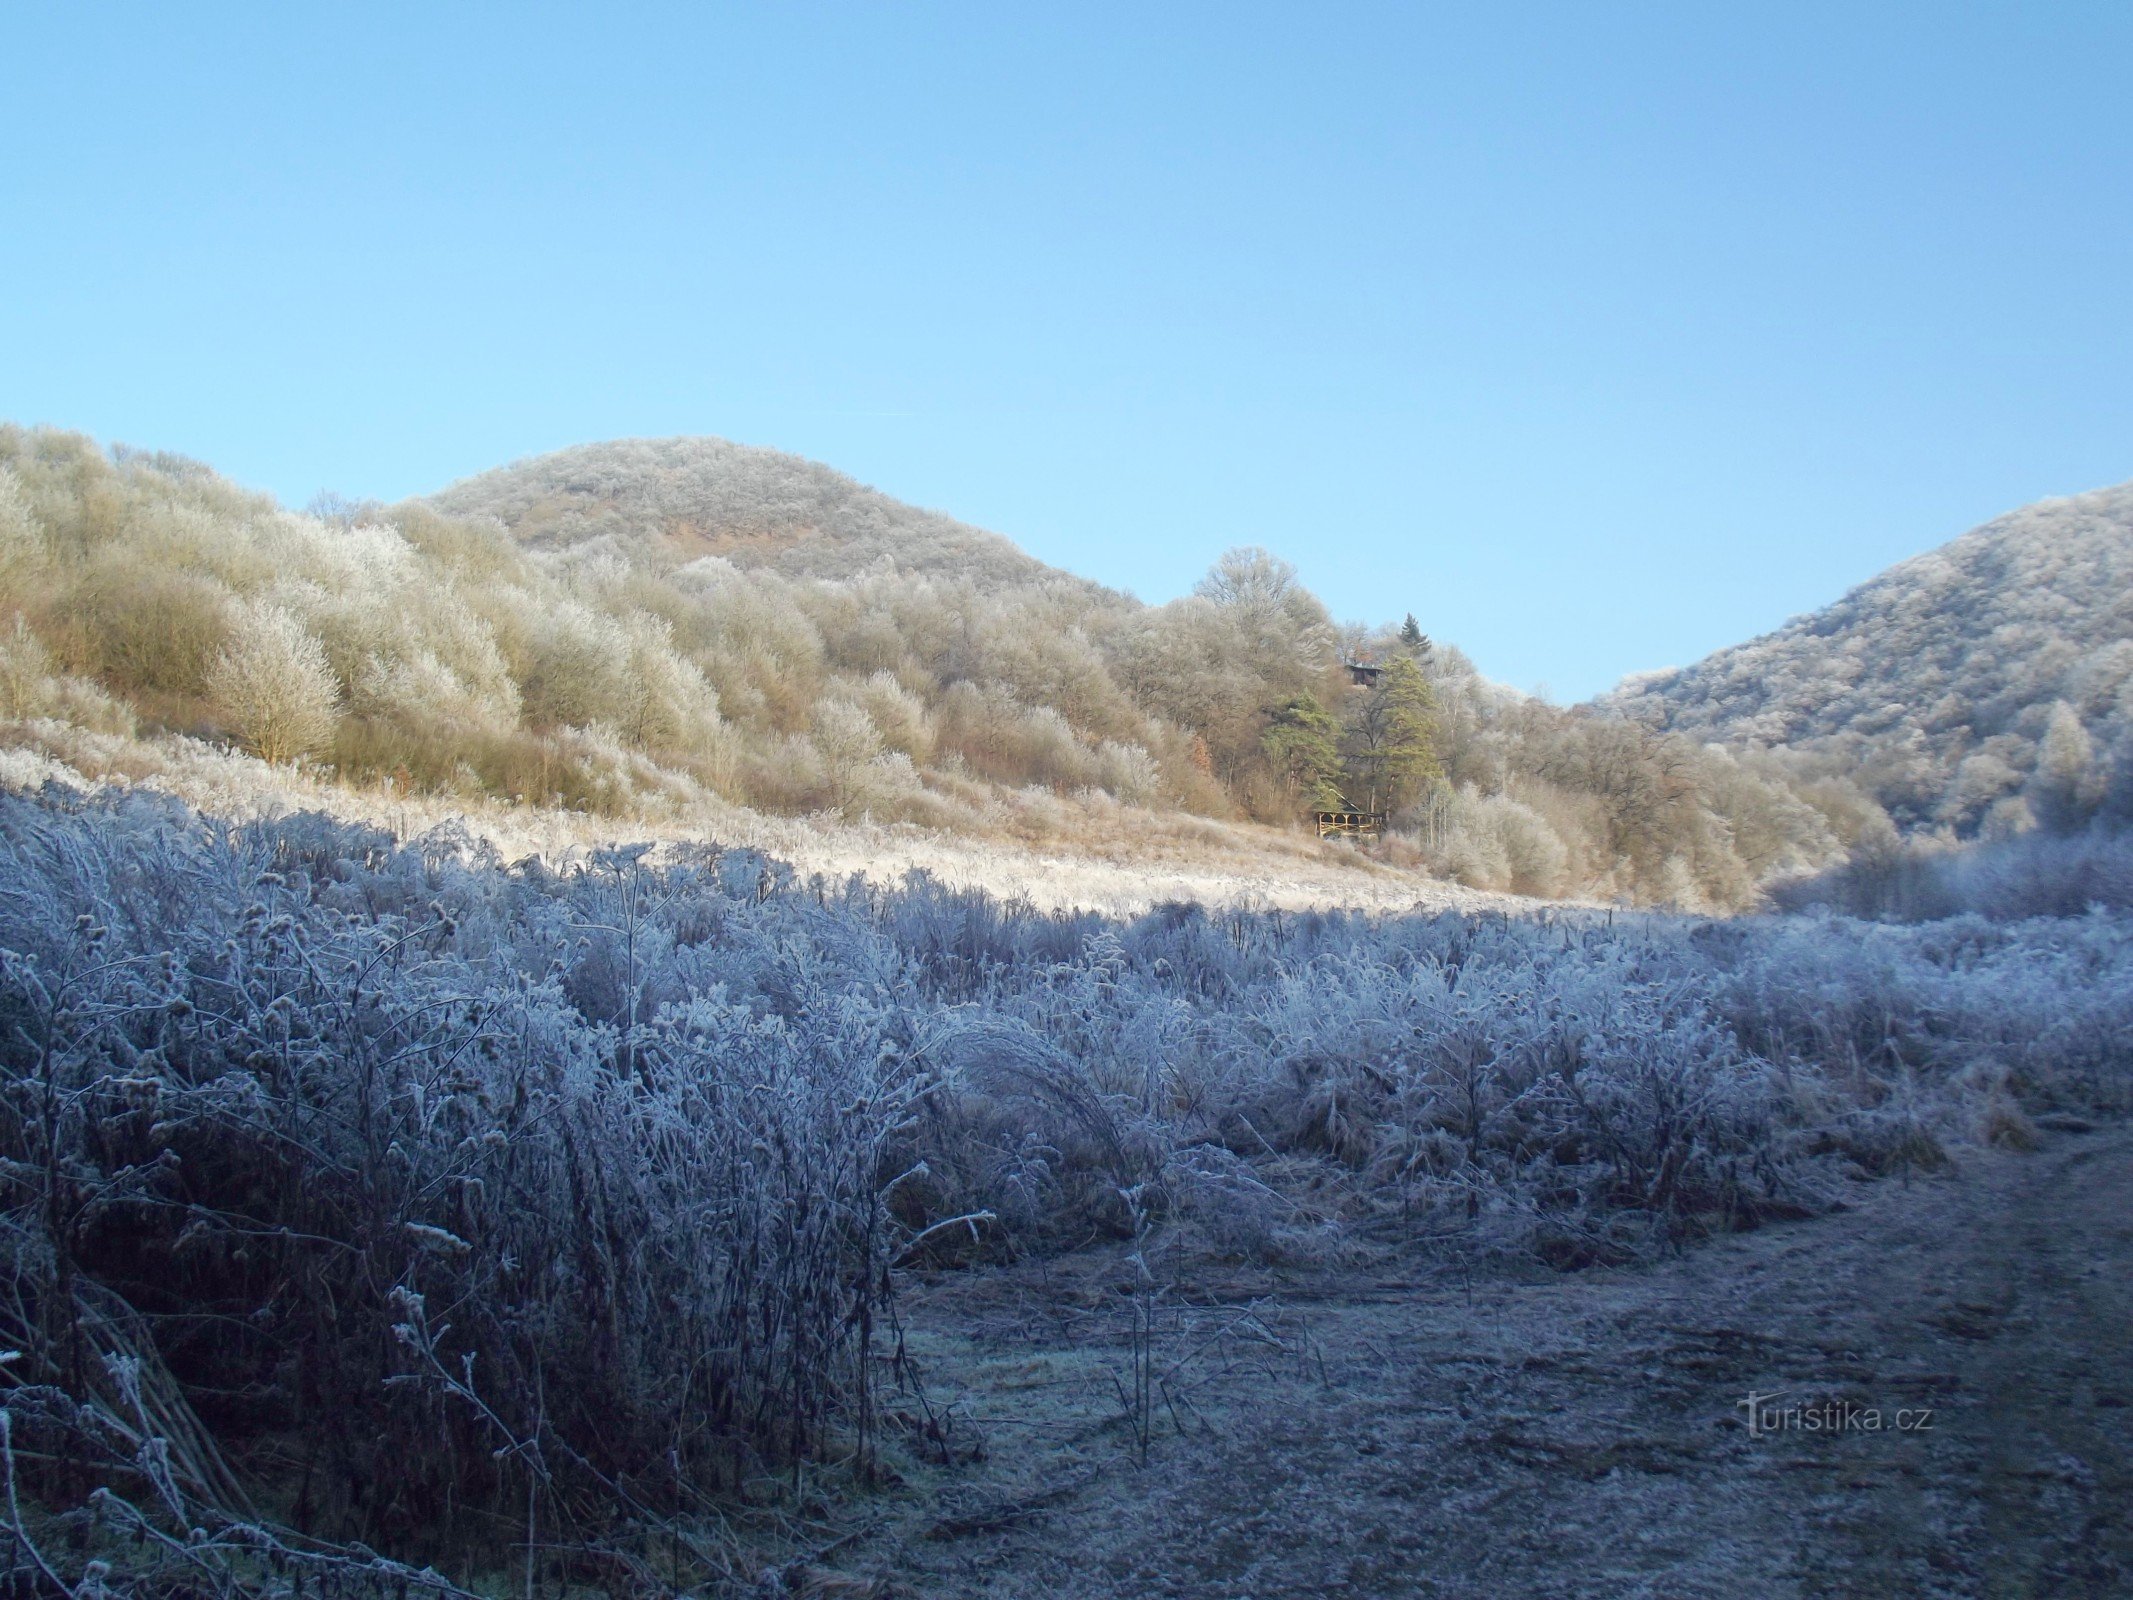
[{"x": 657, "y": 1022}]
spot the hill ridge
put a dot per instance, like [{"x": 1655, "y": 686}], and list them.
[
  {"x": 749, "y": 504},
  {"x": 1940, "y": 676}
]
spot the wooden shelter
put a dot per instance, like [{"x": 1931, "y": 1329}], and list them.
[{"x": 1349, "y": 824}]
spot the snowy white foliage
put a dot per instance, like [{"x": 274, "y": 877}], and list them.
[{"x": 1951, "y": 680}]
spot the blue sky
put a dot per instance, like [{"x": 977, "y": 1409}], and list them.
[{"x": 1598, "y": 336}]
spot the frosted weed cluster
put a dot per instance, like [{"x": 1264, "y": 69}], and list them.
[{"x": 363, "y": 1197}]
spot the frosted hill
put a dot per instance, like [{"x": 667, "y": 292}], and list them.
[
  {"x": 754, "y": 507},
  {"x": 669, "y": 632},
  {"x": 1940, "y": 682}
]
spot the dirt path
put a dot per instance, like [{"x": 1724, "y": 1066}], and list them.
[{"x": 1581, "y": 1435}]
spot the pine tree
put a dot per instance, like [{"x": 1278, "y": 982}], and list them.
[
  {"x": 1414, "y": 641},
  {"x": 1391, "y": 743},
  {"x": 1303, "y": 741}
]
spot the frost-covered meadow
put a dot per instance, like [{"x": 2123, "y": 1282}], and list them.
[{"x": 374, "y": 1212}]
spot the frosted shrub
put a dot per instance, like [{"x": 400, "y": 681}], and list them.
[
  {"x": 579, "y": 669},
  {"x": 668, "y": 703},
  {"x": 146, "y": 628},
  {"x": 758, "y": 646},
  {"x": 1496, "y": 842},
  {"x": 1540, "y": 861},
  {"x": 860, "y": 774},
  {"x": 846, "y": 737},
  {"x": 998, "y": 736},
  {"x": 25, "y": 669},
  {"x": 423, "y": 692},
  {"x": 565, "y": 1195},
  {"x": 888, "y": 788},
  {"x": 1476, "y": 857},
  {"x": 273, "y": 685},
  {"x": 1479, "y": 835},
  {"x": 899, "y": 717},
  {"x": 787, "y": 774},
  {"x": 1128, "y": 772},
  {"x": 30, "y": 688},
  {"x": 22, "y": 547}
]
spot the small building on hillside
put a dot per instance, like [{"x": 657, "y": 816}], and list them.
[{"x": 1349, "y": 824}]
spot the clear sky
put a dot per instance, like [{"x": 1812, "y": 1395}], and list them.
[{"x": 1598, "y": 335}]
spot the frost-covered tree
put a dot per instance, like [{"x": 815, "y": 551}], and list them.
[
  {"x": 1249, "y": 579},
  {"x": 2068, "y": 784},
  {"x": 273, "y": 685}
]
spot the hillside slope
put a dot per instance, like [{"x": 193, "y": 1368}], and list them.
[
  {"x": 568, "y": 637},
  {"x": 753, "y": 507},
  {"x": 1982, "y": 680}
]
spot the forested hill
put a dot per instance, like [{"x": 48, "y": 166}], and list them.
[
  {"x": 640, "y": 629},
  {"x": 1980, "y": 686},
  {"x": 753, "y": 507}
]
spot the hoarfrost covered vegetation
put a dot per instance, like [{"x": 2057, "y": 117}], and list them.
[
  {"x": 1981, "y": 688},
  {"x": 367, "y": 1198},
  {"x": 752, "y": 506},
  {"x": 654, "y": 624}
]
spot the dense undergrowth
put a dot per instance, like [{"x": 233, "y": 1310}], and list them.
[
  {"x": 2038, "y": 874},
  {"x": 363, "y": 1198}
]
